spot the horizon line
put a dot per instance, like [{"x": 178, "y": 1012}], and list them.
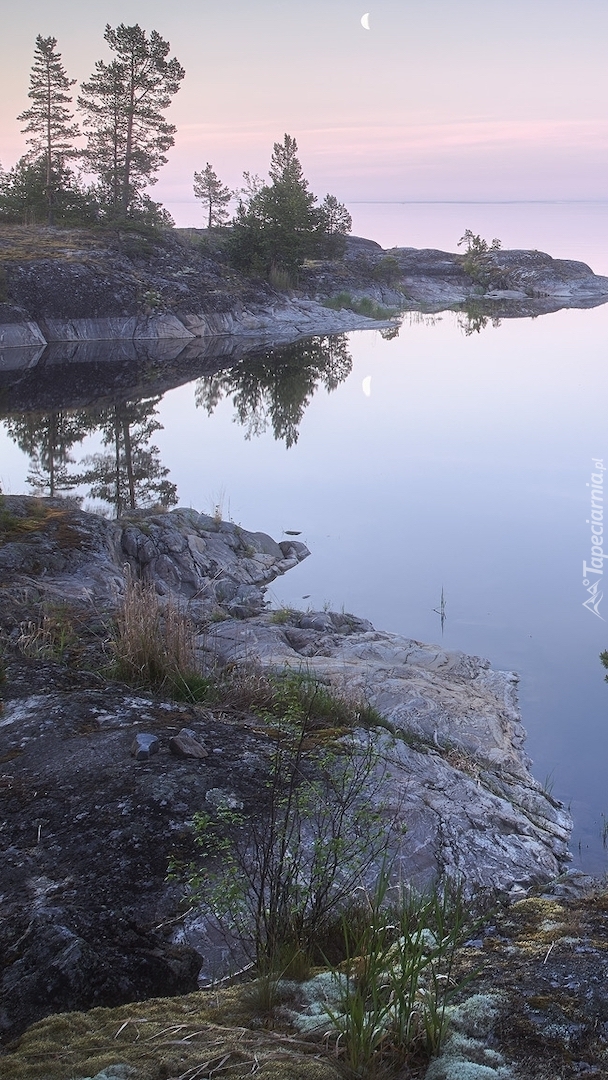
[{"x": 476, "y": 202}]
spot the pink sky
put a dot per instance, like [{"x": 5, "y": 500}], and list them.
[{"x": 440, "y": 99}]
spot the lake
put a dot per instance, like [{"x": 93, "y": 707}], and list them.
[{"x": 440, "y": 459}]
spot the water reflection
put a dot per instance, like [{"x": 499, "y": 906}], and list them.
[
  {"x": 274, "y": 390},
  {"x": 269, "y": 388},
  {"x": 47, "y": 438},
  {"x": 130, "y": 473}
]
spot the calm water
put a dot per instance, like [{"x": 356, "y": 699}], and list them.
[{"x": 440, "y": 459}]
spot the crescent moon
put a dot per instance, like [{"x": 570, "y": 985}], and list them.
[
  {"x": 366, "y": 385},
  {"x": 365, "y": 21}
]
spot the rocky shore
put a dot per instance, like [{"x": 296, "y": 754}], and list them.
[
  {"x": 91, "y": 819},
  {"x": 88, "y": 915},
  {"x": 60, "y": 286}
]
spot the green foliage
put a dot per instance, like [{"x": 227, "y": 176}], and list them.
[
  {"x": 386, "y": 269},
  {"x": 214, "y": 196},
  {"x": 364, "y": 305},
  {"x": 278, "y": 226},
  {"x": 281, "y": 616},
  {"x": 476, "y": 262},
  {"x": 49, "y": 120},
  {"x": 278, "y": 881},
  {"x": 396, "y": 982},
  {"x": 334, "y": 222},
  {"x": 604, "y": 660},
  {"x": 24, "y": 195},
  {"x": 123, "y": 105}
]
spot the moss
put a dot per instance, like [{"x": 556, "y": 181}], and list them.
[
  {"x": 39, "y": 517},
  {"x": 161, "y": 1038}
]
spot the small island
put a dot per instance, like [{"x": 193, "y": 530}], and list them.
[{"x": 71, "y": 285}]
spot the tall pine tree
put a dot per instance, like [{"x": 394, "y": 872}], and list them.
[
  {"x": 49, "y": 120},
  {"x": 123, "y": 105},
  {"x": 214, "y": 196}
]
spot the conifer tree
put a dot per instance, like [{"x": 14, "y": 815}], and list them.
[
  {"x": 214, "y": 196},
  {"x": 277, "y": 229},
  {"x": 49, "y": 120},
  {"x": 123, "y": 105}
]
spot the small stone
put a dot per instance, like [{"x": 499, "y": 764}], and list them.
[
  {"x": 143, "y": 746},
  {"x": 185, "y": 744}
]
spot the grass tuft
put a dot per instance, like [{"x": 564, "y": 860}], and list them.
[
  {"x": 362, "y": 306},
  {"x": 153, "y": 646}
]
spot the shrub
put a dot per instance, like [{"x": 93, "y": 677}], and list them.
[
  {"x": 278, "y": 881},
  {"x": 476, "y": 262}
]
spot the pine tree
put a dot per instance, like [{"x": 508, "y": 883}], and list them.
[
  {"x": 214, "y": 196},
  {"x": 49, "y": 120},
  {"x": 123, "y": 105},
  {"x": 48, "y": 438},
  {"x": 276, "y": 231},
  {"x": 335, "y": 223}
]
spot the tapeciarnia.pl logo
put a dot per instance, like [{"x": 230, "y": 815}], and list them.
[{"x": 594, "y": 571}]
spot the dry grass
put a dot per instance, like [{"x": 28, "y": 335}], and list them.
[
  {"x": 40, "y": 517},
  {"x": 195, "y": 1037},
  {"x": 153, "y": 643},
  {"x": 19, "y": 242},
  {"x": 49, "y": 636}
]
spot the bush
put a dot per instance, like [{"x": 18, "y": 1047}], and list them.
[
  {"x": 279, "y": 881},
  {"x": 476, "y": 262}
]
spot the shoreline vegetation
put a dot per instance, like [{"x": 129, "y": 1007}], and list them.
[
  {"x": 69, "y": 285},
  {"x": 178, "y": 750},
  {"x": 187, "y": 782}
]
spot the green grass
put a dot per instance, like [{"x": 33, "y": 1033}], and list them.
[
  {"x": 283, "y": 615},
  {"x": 362, "y": 306}
]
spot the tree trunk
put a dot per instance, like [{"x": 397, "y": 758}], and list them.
[
  {"x": 117, "y": 450},
  {"x": 49, "y": 150},
  {"x": 129, "y": 148},
  {"x": 129, "y": 462}
]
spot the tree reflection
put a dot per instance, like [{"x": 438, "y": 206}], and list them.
[
  {"x": 275, "y": 389},
  {"x": 131, "y": 474},
  {"x": 48, "y": 438},
  {"x": 473, "y": 320}
]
